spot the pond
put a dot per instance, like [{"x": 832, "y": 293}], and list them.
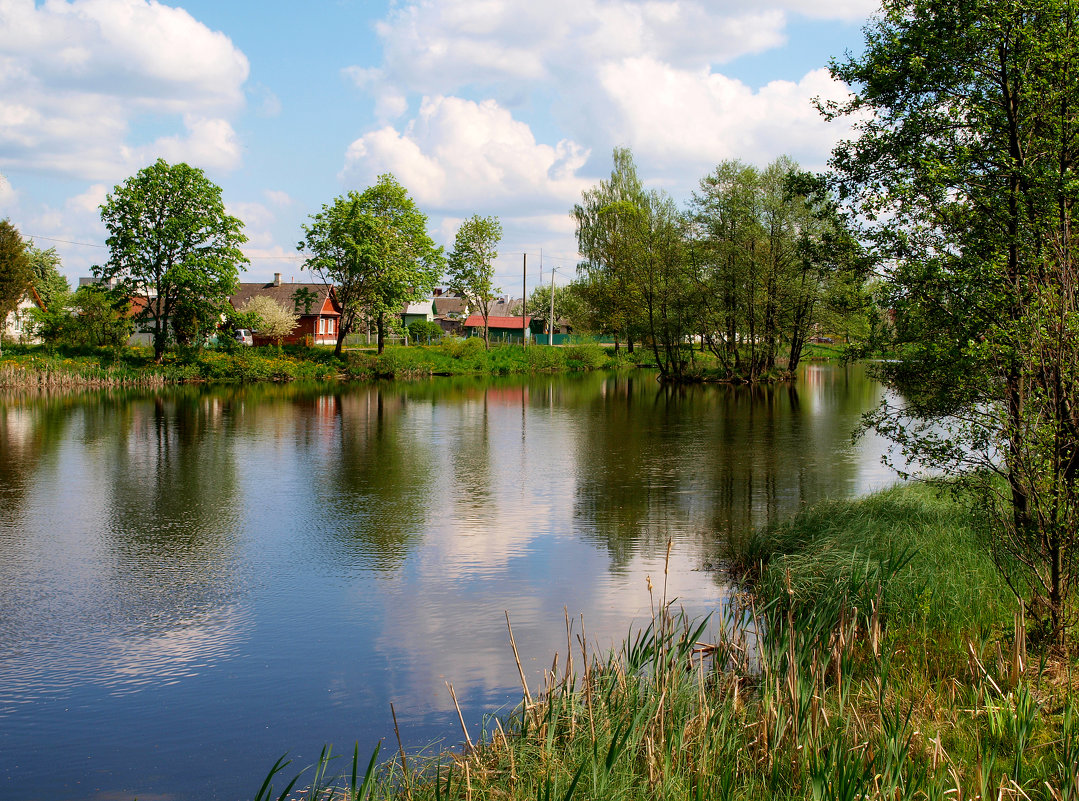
[{"x": 196, "y": 581}]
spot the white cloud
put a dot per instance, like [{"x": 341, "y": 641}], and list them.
[
  {"x": 77, "y": 77},
  {"x": 441, "y": 45},
  {"x": 461, "y": 154},
  {"x": 9, "y": 196},
  {"x": 208, "y": 143},
  {"x": 277, "y": 197},
  {"x": 673, "y": 116},
  {"x": 88, "y": 202}
]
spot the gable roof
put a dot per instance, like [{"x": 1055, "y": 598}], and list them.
[
  {"x": 283, "y": 295},
  {"x": 448, "y": 305},
  {"x": 476, "y": 321}
]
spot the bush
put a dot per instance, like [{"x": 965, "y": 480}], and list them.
[
  {"x": 589, "y": 355},
  {"x": 424, "y": 332}
]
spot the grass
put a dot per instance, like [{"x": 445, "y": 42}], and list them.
[
  {"x": 40, "y": 367},
  {"x": 877, "y": 657}
]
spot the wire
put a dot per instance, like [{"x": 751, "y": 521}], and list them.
[{"x": 65, "y": 241}]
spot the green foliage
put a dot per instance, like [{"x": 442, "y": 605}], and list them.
[
  {"x": 50, "y": 285},
  {"x": 15, "y": 271},
  {"x": 424, "y": 332},
  {"x": 963, "y": 173},
  {"x": 471, "y": 264},
  {"x": 169, "y": 235},
  {"x": 374, "y": 247},
  {"x": 92, "y": 318}
]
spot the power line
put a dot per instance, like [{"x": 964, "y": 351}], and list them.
[{"x": 65, "y": 241}]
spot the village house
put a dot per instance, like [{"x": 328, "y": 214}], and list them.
[
  {"x": 18, "y": 326},
  {"x": 316, "y": 304}
]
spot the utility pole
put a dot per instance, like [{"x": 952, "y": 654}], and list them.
[{"x": 550, "y": 320}]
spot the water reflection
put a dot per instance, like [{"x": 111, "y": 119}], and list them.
[{"x": 285, "y": 561}]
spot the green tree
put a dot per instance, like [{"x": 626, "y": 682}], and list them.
[
  {"x": 15, "y": 272},
  {"x": 471, "y": 266},
  {"x": 170, "y": 238},
  {"x": 91, "y": 317},
  {"x": 274, "y": 320},
  {"x": 375, "y": 248},
  {"x": 963, "y": 169},
  {"x": 768, "y": 246},
  {"x": 51, "y": 286},
  {"x": 423, "y": 331},
  {"x": 609, "y": 221}
]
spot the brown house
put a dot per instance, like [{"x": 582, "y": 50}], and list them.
[{"x": 316, "y": 304}]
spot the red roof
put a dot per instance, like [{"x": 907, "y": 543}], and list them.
[{"x": 476, "y": 321}]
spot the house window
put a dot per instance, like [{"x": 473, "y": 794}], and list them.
[{"x": 322, "y": 325}]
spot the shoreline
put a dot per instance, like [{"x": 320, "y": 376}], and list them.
[{"x": 878, "y": 655}]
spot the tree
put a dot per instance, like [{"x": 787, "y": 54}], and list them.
[
  {"x": 768, "y": 246},
  {"x": 274, "y": 320},
  {"x": 610, "y": 221},
  {"x": 171, "y": 240},
  {"x": 51, "y": 286},
  {"x": 91, "y": 317},
  {"x": 15, "y": 272},
  {"x": 471, "y": 265},
  {"x": 963, "y": 171},
  {"x": 375, "y": 248}
]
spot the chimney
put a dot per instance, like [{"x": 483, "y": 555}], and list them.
[
  {"x": 277, "y": 279},
  {"x": 438, "y": 292}
]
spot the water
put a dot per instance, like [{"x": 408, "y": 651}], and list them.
[{"x": 197, "y": 581}]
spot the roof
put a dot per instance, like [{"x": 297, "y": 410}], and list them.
[
  {"x": 445, "y": 305},
  {"x": 284, "y": 295},
  {"x": 476, "y": 321},
  {"x": 420, "y": 307}
]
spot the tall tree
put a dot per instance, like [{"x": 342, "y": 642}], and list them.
[
  {"x": 375, "y": 248},
  {"x": 15, "y": 272},
  {"x": 963, "y": 168},
  {"x": 471, "y": 268},
  {"x": 610, "y": 220},
  {"x": 170, "y": 240}
]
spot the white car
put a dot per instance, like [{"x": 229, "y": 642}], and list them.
[{"x": 244, "y": 336}]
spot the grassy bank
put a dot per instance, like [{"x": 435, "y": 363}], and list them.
[
  {"x": 38, "y": 367},
  {"x": 879, "y": 657}
]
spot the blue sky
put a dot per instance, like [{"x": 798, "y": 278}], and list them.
[{"x": 504, "y": 107}]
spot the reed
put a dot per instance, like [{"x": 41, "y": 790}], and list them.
[{"x": 812, "y": 686}]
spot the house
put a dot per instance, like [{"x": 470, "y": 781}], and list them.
[
  {"x": 18, "y": 326},
  {"x": 500, "y": 328},
  {"x": 422, "y": 310},
  {"x": 316, "y": 304},
  {"x": 450, "y": 312}
]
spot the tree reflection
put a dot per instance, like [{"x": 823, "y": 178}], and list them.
[
  {"x": 716, "y": 461},
  {"x": 375, "y": 485}
]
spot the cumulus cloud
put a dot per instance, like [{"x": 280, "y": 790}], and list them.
[
  {"x": 698, "y": 118},
  {"x": 440, "y": 46},
  {"x": 75, "y": 77},
  {"x": 459, "y": 153}
]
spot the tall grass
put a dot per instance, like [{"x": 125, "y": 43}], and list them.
[{"x": 807, "y": 688}]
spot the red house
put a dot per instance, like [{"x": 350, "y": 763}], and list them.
[
  {"x": 316, "y": 304},
  {"x": 500, "y": 329}
]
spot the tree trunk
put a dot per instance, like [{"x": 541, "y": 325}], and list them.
[{"x": 381, "y": 332}]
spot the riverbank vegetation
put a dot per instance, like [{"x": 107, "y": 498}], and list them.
[
  {"x": 34, "y": 367},
  {"x": 878, "y": 655}
]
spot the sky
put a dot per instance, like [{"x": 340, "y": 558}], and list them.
[{"x": 493, "y": 107}]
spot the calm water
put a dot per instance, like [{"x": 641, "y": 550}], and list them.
[{"x": 195, "y": 582}]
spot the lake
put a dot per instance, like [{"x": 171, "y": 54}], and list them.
[{"x": 194, "y": 582}]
